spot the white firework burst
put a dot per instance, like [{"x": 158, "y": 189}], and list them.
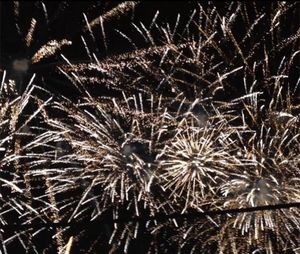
[
  {"x": 194, "y": 163},
  {"x": 108, "y": 163},
  {"x": 270, "y": 178}
]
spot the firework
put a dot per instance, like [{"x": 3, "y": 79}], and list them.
[
  {"x": 26, "y": 58},
  {"x": 171, "y": 62},
  {"x": 37, "y": 50},
  {"x": 264, "y": 143},
  {"x": 18, "y": 132},
  {"x": 32, "y": 43},
  {"x": 110, "y": 153},
  {"x": 198, "y": 115},
  {"x": 195, "y": 162},
  {"x": 204, "y": 59},
  {"x": 272, "y": 179}
]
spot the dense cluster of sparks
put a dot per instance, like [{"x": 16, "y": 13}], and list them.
[
  {"x": 203, "y": 117},
  {"x": 18, "y": 141}
]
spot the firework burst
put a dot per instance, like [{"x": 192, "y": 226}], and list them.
[
  {"x": 271, "y": 177},
  {"x": 204, "y": 115},
  {"x": 18, "y": 137},
  {"x": 194, "y": 163},
  {"x": 109, "y": 161},
  {"x": 169, "y": 63}
]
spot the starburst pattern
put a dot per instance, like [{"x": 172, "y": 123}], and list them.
[
  {"x": 195, "y": 162},
  {"x": 273, "y": 178},
  {"x": 112, "y": 170}
]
